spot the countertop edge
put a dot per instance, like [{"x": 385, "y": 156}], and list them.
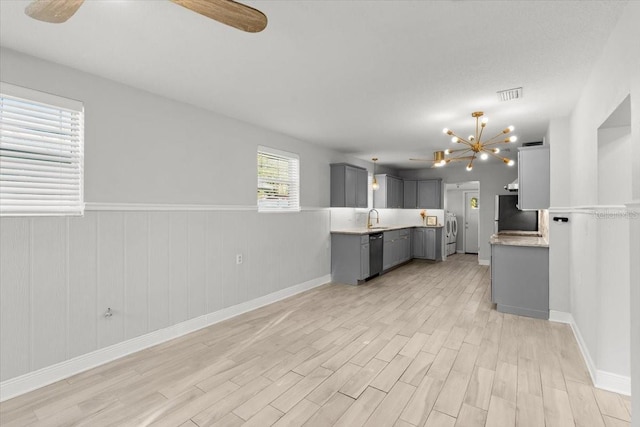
[
  {"x": 361, "y": 232},
  {"x": 530, "y": 241}
]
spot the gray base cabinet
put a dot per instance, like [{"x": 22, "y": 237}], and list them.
[
  {"x": 348, "y": 186},
  {"x": 397, "y": 248},
  {"x": 520, "y": 280},
  {"x": 349, "y": 258},
  {"x": 427, "y": 243}
]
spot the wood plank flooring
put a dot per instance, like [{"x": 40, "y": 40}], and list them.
[{"x": 419, "y": 346}]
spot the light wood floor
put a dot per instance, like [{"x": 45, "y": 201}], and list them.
[{"x": 420, "y": 346}]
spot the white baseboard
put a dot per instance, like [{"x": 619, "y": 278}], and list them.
[
  {"x": 560, "y": 317},
  {"x": 484, "y": 261},
  {"x": 601, "y": 379},
  {"x": 613, "y": 382},
  {"x": 459, "y": 252},
  {"x": 50, "y": 374}
]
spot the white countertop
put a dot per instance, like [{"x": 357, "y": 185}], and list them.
[{"x": 363, "y": 230}]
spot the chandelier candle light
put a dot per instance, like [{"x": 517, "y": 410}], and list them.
[{"x": 475, "y": 147}]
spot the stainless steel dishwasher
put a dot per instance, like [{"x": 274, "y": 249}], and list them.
[{"x": 376, "y": 245}]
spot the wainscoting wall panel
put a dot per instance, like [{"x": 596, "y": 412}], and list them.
[
  {"x": 153, "y": 268},
  {"x": 48, "y": 291},
  {"x": 15, "y": 296},
  {"x": 83, "y": 293}
]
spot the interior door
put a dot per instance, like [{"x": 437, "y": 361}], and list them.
[{"x": 471, "y": 213}]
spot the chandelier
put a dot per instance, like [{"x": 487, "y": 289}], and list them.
[{"x": 474, "y": 146}]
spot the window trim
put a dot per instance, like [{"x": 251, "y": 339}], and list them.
[
  {"x": 45, "y": 99},
  {"x": 296, "y": 181}
]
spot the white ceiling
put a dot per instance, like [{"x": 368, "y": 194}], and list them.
[{"x": 366, "y": 77}]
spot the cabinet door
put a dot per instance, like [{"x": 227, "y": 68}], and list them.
[
  {"x": 364, "y": 261},
  {"x": 399, "y": 194},
  {"x": 350, "y": 181},
  {"x": 387, "y": 255},
  {"x": 410, "y": 195},
  {"x": 533, "y": 177},
  {"x": 392, "y": 192},
  {"x": 428, "y": 194},
  {"x": 362, "y": 190},
  {"x": 418, "y": 243},
  {"x": 430, "y": 250},
  {"x": 406, "y": 248}
]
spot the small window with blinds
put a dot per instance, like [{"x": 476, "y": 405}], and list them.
[
  {"x": 278, "y": 180},
  {"x": 41, "y": 153}
]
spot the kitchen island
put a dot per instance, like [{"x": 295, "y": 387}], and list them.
[{"x": 520, "y": 274}]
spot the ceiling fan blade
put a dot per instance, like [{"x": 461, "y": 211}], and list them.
[
  {"x": 228, "y": 12},
  {"x": 53, "y": 11}
]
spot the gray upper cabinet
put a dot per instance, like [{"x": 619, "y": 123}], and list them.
[
  {"x": 348, "y": 186},
  {"x": 391, "y": 192},
  {"x": 425, "y": 194},
  {"x": 429, "y": 194},
  {"x": 410, "y": 194},
  {"x": 533, "y": 177}
]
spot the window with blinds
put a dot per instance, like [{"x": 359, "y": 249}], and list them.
[
  {"x": 41, "y": 153},
  {"x": 278, "y": 180}
]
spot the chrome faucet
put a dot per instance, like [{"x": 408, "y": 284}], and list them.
[{"x": 369, "y": 225}]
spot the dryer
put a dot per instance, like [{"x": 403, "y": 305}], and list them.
[{"x": 451, "y": 232}]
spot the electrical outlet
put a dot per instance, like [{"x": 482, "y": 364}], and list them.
[{"x": 239, "y": 259}]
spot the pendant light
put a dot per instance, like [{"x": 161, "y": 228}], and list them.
[{"x": 374, "y": 184}]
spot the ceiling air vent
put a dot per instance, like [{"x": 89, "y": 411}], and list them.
[{"x": 510, "y": 94}]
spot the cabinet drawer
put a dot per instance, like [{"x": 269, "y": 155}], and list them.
[
  {"x": 364, "y": 239},
  {"x": 391, "y": 235}
]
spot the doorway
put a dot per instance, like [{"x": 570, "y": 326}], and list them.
[
  {"x": 471, "y": 210},
  {"x": 454, "y": 206}
]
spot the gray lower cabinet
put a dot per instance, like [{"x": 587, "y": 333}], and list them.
[
  {"x": 364, "y": 258},
  {"x": 348, "y": 186},
  {"x": 520, "y": 280},
  {"x": 349, "y": 258},
  {"x": 427, "y": 242},
  {"x": 397, "y": 248}
]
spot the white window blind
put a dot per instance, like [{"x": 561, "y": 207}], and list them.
[
  {"x": 41, "y": 153},
  {"x": 278, "y": 180}
]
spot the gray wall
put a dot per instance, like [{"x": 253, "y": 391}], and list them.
[
  {"x": 153, "y": 268},
  {"x": 143, "y": 148},
  {"x": 492, "y": 178}
]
